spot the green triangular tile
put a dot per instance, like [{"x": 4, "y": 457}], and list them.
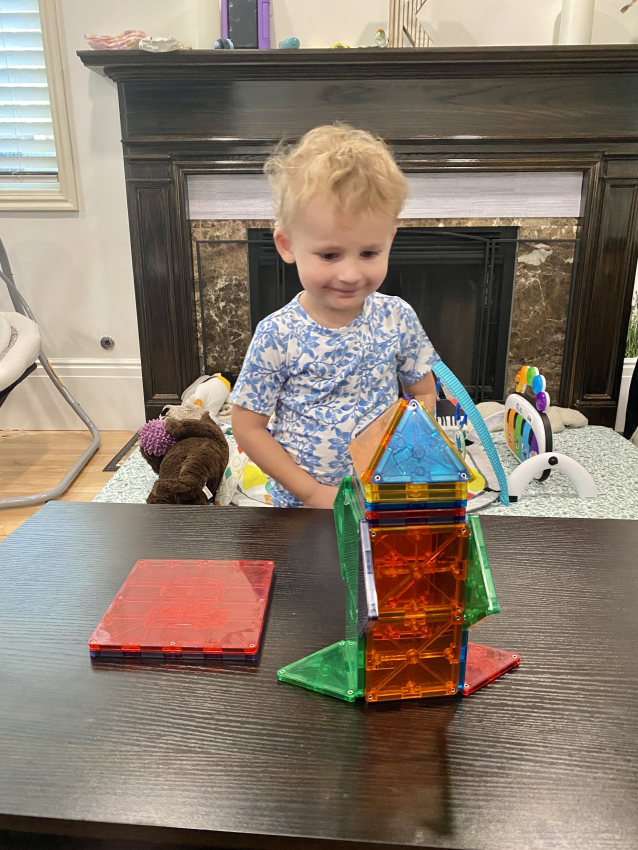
[
  {"x": 480, "y": 595},
  {"x": 332, "y": 671},
  {"x": 347, "y": 514}
]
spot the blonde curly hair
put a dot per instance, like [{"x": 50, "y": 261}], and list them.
[{"x": 352, "y": 167}]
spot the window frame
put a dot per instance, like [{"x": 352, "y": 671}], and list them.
[{"x": 66, "y": 197}]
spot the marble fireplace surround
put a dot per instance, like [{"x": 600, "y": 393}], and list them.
[
  {"x": 447, "y": 110},
  {"x": 542, "y": 288}
]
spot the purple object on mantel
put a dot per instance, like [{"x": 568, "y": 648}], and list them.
[
  {"x": 264, "y": 24},
  {"x": 246, "y": 23}
]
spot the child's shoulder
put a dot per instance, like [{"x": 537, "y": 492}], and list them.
[
  {"x": 389, "y": 306},
  {"x": 282, "y": 320}
]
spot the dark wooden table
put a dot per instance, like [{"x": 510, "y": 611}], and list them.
[{"x": 185, "y": 754}]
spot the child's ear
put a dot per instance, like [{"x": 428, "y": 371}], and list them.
[{"x": 283, "y": 245}]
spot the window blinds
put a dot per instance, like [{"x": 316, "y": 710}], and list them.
[{"x": 27, "y": 147}]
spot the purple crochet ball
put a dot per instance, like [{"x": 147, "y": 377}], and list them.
[{"x": 154, "y": 438}]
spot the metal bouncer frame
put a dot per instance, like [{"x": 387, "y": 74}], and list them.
[{"x": 21, "y": 306}]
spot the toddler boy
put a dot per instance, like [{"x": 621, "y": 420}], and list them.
[{"x": 329, "y": 362}]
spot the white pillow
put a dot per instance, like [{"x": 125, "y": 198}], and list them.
[
  {"x": 5, "y": 334},
  {"x": 23, "y": 352},
  {"x": 555, "y": 419},
  {"x": 572, "y": 418},
  {"x": 492, "y": 408}
]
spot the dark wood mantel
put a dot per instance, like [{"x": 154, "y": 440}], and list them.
[
  {"x": 443, "y": 109},
  {"x": 432, "y": 62}
]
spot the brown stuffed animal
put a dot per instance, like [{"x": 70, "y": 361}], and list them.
[{"x": 198, "y": 459}]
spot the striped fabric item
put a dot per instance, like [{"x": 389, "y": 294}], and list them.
[{"x": 27, "y": 146}]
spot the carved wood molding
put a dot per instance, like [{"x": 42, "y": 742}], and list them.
[{"x": 444, "y": 62}]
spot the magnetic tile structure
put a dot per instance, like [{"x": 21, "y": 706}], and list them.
[
  {"x": 416, "y": 569},
  {"x": 192, "y": 609}
]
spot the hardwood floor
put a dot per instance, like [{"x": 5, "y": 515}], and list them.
[{"x": 35, "y": 461}]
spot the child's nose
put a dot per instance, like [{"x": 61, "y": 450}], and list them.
[{"x": 349, "y": 272}]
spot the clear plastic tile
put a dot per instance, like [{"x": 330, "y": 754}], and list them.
[
  {"x": 333, "y": 671},
  {"x": 484, "y": 664},
  {"x": 419, "y": 453},
  {"x": 480, "y": 595},
  {"x": 402, "y": 664},
  {"x": 193, "y": 608}
]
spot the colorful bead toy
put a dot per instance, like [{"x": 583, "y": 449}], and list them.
[
  {"x": 529, "y": 376},
  {"x": 528, "y": 433}
]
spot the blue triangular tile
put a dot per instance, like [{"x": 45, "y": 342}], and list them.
[{"x": 418, "y": 453}]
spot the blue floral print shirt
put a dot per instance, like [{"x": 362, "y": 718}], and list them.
[{"x": 324, "y": 385}]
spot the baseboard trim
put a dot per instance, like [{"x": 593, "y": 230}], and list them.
[
  {"x": 89, "y": 366},
  {"x": 109, "y": 390}
]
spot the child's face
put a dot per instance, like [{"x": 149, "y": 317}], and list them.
[{"x": 340, "y": 259}]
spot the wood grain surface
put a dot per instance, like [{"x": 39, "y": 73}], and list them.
[
  {"x": 447, "y": 109},
  {"x": 36, "y": 461},
  {"x": 228, "y": 756}
]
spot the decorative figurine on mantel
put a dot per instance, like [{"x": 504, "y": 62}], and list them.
[
  {"x": 290, "y": 43},
  {"x": 404, "y": 21},
  {"x": 127, "y": 40}
]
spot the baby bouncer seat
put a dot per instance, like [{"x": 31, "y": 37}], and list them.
[{"x": 20, "y": 349}]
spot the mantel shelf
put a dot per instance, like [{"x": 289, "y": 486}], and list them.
[{"x": 359, "y": 63}]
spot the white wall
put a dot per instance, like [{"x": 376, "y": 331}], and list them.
[
  {"x": 501, "y": 22},
  {"x": 449, "y": 22},
  {"x": 75, "y": 268}
]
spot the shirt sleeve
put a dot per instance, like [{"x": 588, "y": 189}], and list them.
[
  {"x": 417, "y": 354},
  {"x": 263, "y": 372}
]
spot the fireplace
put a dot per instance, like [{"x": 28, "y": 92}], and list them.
[
  {"x": 460, "y": 281},
  {"x": 460, "y": 110},
  {"x": 491, "y": 294}
]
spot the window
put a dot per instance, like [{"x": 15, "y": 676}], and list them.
[{"x": 36, "y": 163}]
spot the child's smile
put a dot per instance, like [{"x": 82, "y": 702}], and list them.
[{"x": 341, "y": 259}]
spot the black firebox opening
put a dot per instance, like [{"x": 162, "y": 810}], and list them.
[{"x": 459, "y": 280}]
